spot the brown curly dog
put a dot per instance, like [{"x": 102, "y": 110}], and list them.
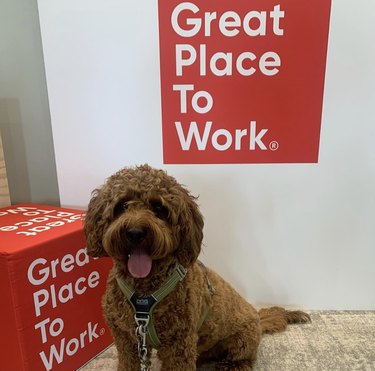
[{"x": 152, "y": 228}]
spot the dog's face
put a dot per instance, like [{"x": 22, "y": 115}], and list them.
[{"x": 142, "y": 215}]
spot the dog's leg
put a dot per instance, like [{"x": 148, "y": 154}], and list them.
[
  {"x": 234, "y": 366},
  {"x": 181, "y": 355},
  {"x": 241, "y": 348},
  {"x": 127, "y": 350}
]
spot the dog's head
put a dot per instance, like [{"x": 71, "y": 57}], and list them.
[{"x": 142, "y": 215}]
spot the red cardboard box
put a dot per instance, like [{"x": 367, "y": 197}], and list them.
[{"x": 50, "y": 312}]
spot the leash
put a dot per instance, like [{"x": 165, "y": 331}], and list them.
[{"x": 141, "y": 334}]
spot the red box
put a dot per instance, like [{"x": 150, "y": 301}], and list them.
[{"x": 50, "y": 311}]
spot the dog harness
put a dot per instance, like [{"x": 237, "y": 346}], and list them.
[{"x": 144, "y": 305}]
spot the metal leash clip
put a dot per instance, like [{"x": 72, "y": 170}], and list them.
[{"x": 141, "y": 334}]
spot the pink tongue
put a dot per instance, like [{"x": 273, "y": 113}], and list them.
[{"x": 139, "y": 263}]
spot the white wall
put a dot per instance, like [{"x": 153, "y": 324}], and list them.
[
  {"x": 297, "y": 234},
  {"x": 25, "y": 123}
]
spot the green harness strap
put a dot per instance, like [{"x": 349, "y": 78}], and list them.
[
  {"x": 143, "y": 306},
  {"x": 212, "y": 290}
]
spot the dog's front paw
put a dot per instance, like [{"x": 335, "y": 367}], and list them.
[{"x": 233, "y": 366}]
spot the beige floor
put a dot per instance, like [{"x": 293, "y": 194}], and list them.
[{"x": 334, "y": 341}]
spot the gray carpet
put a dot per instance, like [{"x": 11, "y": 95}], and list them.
[{"x": 334, "y": 341}]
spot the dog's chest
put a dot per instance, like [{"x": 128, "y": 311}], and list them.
[{"x": 169, "y": 317}]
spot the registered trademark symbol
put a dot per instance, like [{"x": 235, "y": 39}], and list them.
[
  {"x": 274, "y": 146},
  {"x": 102, "y": 331}
]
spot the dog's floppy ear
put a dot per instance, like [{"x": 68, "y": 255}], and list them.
[
  {"x": 94, "y": 225},
  {"x": 191, "y": 229}
]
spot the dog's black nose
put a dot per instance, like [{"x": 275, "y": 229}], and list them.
[{"x": 135, "y": 235}]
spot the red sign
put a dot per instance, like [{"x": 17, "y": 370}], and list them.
[
  {"x": 51, "y": 317},
  {"x": 242, "y": 81}
]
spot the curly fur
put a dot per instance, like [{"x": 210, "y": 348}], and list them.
[{"x": 152, "y": 201}]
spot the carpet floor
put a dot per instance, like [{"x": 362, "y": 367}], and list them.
[{"x": 334, "y": 341}]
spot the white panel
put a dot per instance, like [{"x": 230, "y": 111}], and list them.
[
  {"x": 102, "y": 66},
  {"x": 287, "y": 234}
]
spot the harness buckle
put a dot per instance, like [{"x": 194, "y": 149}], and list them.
[
  {"x": 142, "y": 320},
  {"x": 181, "y": 271}
]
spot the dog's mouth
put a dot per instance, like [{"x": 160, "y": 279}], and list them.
[{"x": 139, "y": 262}]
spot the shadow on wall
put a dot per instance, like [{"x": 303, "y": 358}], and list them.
[
  {"x": 4, "y": 189},
  {"x": 14, "y": 150}
]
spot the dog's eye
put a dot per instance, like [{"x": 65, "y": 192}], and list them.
[
  {"x": 160, "y": 210},
  {"x": 120, "y": 207}
]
